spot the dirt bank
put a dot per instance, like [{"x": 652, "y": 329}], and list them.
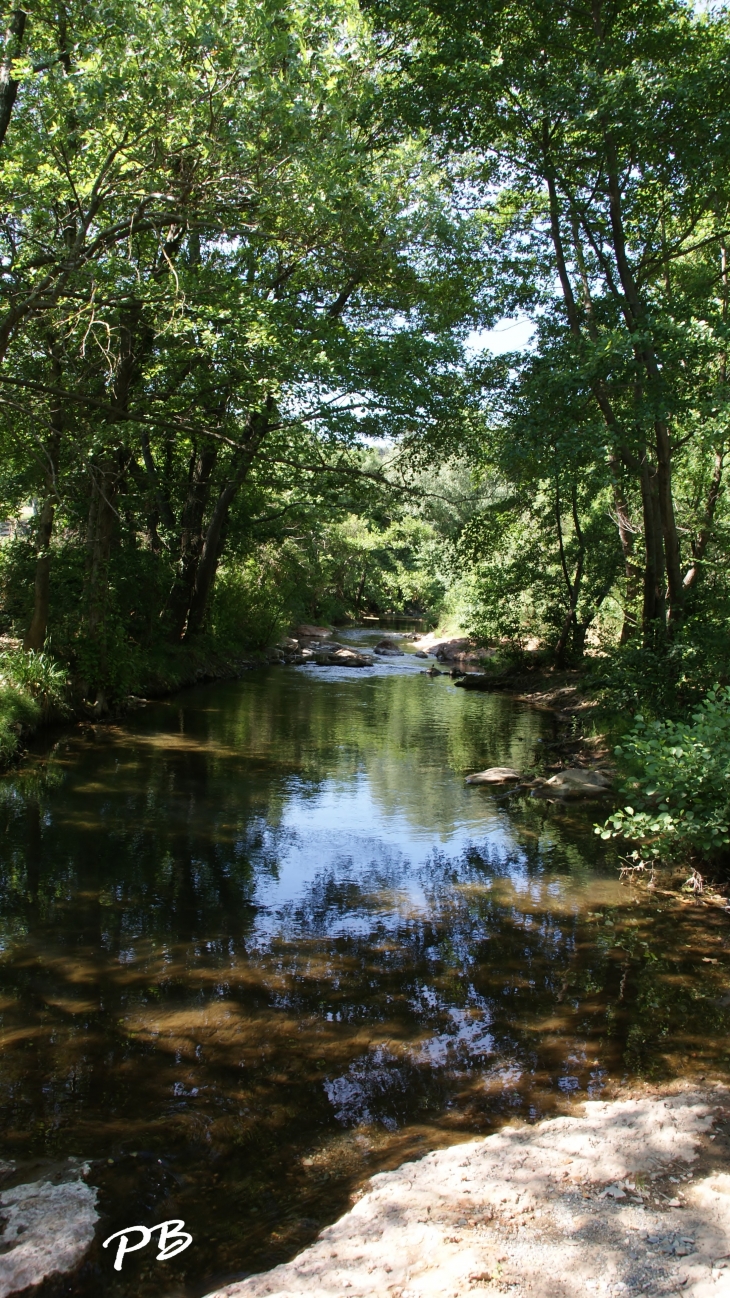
[{"x": 631, "y": 1197}]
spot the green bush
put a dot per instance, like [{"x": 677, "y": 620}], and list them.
[
  {"x": 18, "y": 712},
  {"x": 37, "y": 675},
  {"x": 251, "y": 604},
  {"x": 680, "y": 784}
]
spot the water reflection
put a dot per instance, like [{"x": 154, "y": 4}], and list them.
[{"x": 262, "y": 940}]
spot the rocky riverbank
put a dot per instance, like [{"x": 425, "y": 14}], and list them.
[{"x": 630, "y": 1198}]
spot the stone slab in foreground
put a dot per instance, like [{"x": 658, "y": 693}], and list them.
[
  {"x": 45, "y": 1228},
  {"x": 568, "y": 1208}
]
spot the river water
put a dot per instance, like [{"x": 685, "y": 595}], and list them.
[{"x": 261, "y": 940}]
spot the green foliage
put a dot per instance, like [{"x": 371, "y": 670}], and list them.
[
  {"x": 18, "y": 712},
  {"x": 38, "y": 675},
  {"x": 680, "y": 792},
  {"x": 32, "y": 686},
  {"x": 252, "y": 605}
]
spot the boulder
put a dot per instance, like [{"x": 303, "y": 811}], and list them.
[
  {"x": 388, "y": 646},
  {"x": 420, "y": 654},
  {"x": 477, "y": 681},
  {"x": 448, "y": 650},
  {"x": 307, "y": 632},
  {"x": 47, "y": 1226},
  {"x": 342, "y": 658},
  {"x": 577, "y": 783},
  {"x": 494, "y": 775}
]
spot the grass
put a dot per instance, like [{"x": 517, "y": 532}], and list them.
[{"x": 19, "y": 712}]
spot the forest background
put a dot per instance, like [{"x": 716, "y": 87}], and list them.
[{"x": 253, "y": 256}]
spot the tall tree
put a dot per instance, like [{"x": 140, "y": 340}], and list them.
[{"x": 597, "y": 133}]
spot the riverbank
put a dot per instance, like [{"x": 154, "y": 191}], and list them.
[
  {"x": 631, "y": 1197},
  {"x": 23, "y": 715}
]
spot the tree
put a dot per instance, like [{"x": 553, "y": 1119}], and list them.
[{"x": 597, "y": 135}]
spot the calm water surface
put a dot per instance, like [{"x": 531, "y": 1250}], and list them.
[{"x": 261, "y": 941}]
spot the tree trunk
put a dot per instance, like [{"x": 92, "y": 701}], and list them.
[
  {"x": 214, "y": 536},
  {"x": 700, "y": 545},
  {"x": 570, "y": 623},
  {"x": 35, "y": 637},
  {"x": 632, "y": 573},
  {"x": 654, "y": 596},
  {"x": 102, "y": 525},
  {"x": 8, "y": 84},
  {"x": 191, "y": 539}
]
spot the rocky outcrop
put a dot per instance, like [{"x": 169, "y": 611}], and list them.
[
  {"x": 47, "y": 1227},
  {"x": 606, "y": 1203},
  {"x": 455, "y": 649},
  {"x": 296, "y": 651}
]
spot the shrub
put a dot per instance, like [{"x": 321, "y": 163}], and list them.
[
  {"x": 37, "y": 675},
  {"x": 680, "y": 790},
  {"x": 18, "y": 711}
]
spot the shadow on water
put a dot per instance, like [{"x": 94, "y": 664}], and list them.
[{"x": 261, "y": 941}]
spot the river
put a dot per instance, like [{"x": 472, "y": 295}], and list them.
[{"x": 260, "y": 940}]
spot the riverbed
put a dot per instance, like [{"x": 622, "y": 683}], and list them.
[{"x": 261, "y": 940}]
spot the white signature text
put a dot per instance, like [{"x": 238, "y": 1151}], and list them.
[{"x": 173, "y": 1240}]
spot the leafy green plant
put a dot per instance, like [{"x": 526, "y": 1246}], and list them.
[
  {"x": 38, "y": 676},
  {"x": 18, "y": 712},
  {"x": 680, "y": 789}
]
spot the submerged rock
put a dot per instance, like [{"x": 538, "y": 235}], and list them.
[
  {"x": 47, "y": 1228},
  {"x": 494, "y": 775}
]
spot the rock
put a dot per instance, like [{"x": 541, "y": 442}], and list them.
[
  {"x": 577, "y": 783},
  {"x": 494, "y": 775},
  {"x": 432, "y": 671},
  {"x": 420, "y": 654},
  {"x": 448, "y": 650},
  {"x": 307, "y": 632},
  {"x": 342, "y": 658},
  {"x": 389, "y": 647},
  {"x": 48, "y": 1227},
  {"x": 515, "y": 1212},
  {"x": 476, "y": 681}
]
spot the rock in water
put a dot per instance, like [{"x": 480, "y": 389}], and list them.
[
  {"x": 47, "y": 1228},
  {"x": 578, "y": 783},
  {"x": 342, "y": 658},
  {"x": 388, "y": 647},
  {"x": 494, "y": 775}
]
